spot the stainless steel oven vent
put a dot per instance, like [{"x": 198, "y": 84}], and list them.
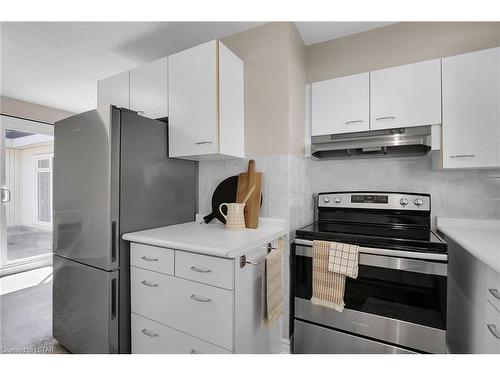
[{"x": 399, "y": 142}]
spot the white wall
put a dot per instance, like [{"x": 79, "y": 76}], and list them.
[{"x": 28, "y": 183}]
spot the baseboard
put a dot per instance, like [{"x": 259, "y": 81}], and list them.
[{"x": 26, "y": 265}]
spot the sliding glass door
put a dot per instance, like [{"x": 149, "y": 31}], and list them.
[{"x": 26, "y": 154}]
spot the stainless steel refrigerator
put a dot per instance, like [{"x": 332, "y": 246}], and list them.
[{"x": 112, "y": 175}]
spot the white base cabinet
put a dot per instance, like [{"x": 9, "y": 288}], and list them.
[
  {"x": 150, "y": 337},
  {"x": 471, "y": 110},
  {"x": 473, "y": 321},
  {"x": 184, "y": 302}
]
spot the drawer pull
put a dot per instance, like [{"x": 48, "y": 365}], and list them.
[
  {"x": 149, "y": 333},
  {"x": 385, "y": 118},
  {"x": 200, "y": 299},
  {"x": 462, "y": 156},
  {"x": 354, "y": 122},
  {"x": 203, "y": 143},
  {"x": 494, "y": 293},
  {"x": 202, "y": 270},
  {"x": 494, "y": 331},
  {"x": 144, "y": 282},
  {"x": 149, "y": 259}
]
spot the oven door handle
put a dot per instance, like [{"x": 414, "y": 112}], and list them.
[
  {"x": 389, "y": 252},
  {"x": 391, "y": 262}
]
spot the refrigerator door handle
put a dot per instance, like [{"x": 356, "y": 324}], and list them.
[
  {"x": 114, "y": 240},
  {"x": 114, "y": 298}
]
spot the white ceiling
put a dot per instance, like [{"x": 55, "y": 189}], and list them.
[
  {"x": 316, "y": 32},
  {"x": 58, "y": 64}
]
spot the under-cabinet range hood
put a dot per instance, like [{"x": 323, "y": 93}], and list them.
[{"x": 397, "y": 142}]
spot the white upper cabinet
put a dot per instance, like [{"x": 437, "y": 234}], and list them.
[
  {"x": 407, "y": 95},
  {"x": 143, "y": 89},
  {"x": 114, "y": 90},
  {"x": 148, "y": 89},
  {"x": 341, "y": 105},
  {"x": 206, "y": 106},
  {"x": 471, "y": 110}
]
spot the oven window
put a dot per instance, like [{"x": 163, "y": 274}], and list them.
[
  {"x": 414, "y": 297},
  {"x": 409, "y": 296}
]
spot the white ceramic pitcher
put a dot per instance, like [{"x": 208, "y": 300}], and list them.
[{"x": 235, "y": 219}]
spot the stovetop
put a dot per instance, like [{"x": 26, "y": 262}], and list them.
[{"x": 385, "y": 237}]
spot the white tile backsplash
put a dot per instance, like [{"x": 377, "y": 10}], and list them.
[{"x": 454, "y": 193}]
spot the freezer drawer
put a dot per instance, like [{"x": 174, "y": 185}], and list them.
[
  {"x": 313, "y": 339},
  {"x": 150, "y": 337},
  {"x": 85, "y": 307}
]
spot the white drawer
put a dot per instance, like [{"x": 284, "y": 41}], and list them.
[
  {"x": 149, "y": 337},
  {"x": 200, "y": 310},
  {"x": 491, "y": 330},
  {"x": 493, "y": 288},
  {"x": 205, "y": 269},
  {"x": 152, "y": 258}
]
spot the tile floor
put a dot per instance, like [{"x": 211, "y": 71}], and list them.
[
  {"x": 23, "y": 242},
  {"x": 26, "y": 313}
]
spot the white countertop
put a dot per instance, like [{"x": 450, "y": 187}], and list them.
[
  {"x": 211, "y": 239},
  {"x": 481, "y": 238}
]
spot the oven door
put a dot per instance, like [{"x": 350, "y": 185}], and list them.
[{"x": 396, "y": 300}]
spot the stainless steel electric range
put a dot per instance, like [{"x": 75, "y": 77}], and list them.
[{"x": 397, "y": 304}]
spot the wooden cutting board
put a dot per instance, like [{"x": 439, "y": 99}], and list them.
[{"x": 245, "y": 183}]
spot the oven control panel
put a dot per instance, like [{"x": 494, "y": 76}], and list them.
[{"x": 375, "y": 200}]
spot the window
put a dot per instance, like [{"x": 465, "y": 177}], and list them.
[{"x": 43, "y": 179}]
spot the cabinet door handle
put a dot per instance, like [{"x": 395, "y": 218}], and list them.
[
  {"x": 144, "y": 282},
  {"x": 462, "y": 156},
  {"x": 494, "y": 293},
  {"x": 202, "y": 270},
  {"x": 200, "y": 299},
  {"x": 354, "y": 122},
  {"x": 494, "y": 331},
  {"x": 204, "y": 143},
  {"x": 149, "y": 333},
  {"x": 385, "y": 118},
  {"x": 149, "y": 259},
  {"x": 5, "y": 195}
]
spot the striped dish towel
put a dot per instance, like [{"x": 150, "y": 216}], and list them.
[
  {"x": 273, "y": 287},
  {"x": 328, "y": 286}
]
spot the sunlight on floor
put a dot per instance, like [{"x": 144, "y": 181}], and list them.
[{"x": 23, "y": 280}]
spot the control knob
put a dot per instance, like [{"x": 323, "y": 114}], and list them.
[
  {"x": 337, "y": 200},
  {"x": 326, "y": 199},
  {"x": 418, "y": 202},
  {"x": 403, "y": 201}
]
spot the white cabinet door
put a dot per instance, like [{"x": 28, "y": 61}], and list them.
[
  {"x": 148, "y": 89},
  {"x": 491, "y": 330},
  {"x": 114, "y": 90},
  {"x": 407, "y": 95},
  {"x": 471, "y": 110},
  {"x": 231, "y": 103},
  {"x": 193, "y": 101},
  {"x": 150, "y": 337},
  {"x": 341, "y": 105}
]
